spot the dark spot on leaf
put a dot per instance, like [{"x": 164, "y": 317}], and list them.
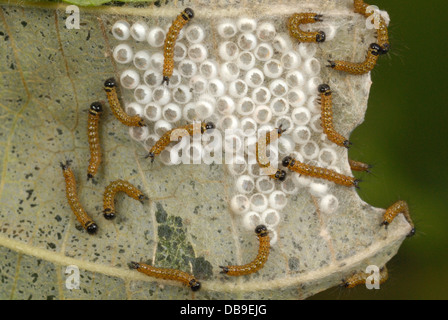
[
  {"x": 30, "y": 192},
  {"x": 294, "y": 263},
  {"x": 34, "y": 276},
  {"x": 202, "y": 268},
  {"x": 161, "y": 214},
  {"x": 165, "y": 231}
]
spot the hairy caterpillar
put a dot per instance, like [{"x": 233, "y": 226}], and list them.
[
  {"x": 110, "y": 86},
  {"x": 95, "y": 112},
  {"x": 297, "y": 19},
  {"x": 165, "y": 140},
  {"x": 259, "y": 261},
  {"x": 361, "y": 278},
  {"x": 167, "y": 274},
  {"x": 170, "y": 40},
  {"x": 327, "y": 117},
  {"x": 391, "y": 212},
  {"x": 359, "y": 166},
  {"x": 73, "y": 200},
  {"x": 262, "y": 160},
  {"x": 318, "y": 172},
  {"x": 111, "y": 191},
  {"x": 358, "y": 68},
  {"x": 382, "y": 32}
]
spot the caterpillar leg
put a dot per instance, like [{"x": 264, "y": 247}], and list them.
[
  {"x": 150, "y": 155},
  {"x": 166, "y": 80}
]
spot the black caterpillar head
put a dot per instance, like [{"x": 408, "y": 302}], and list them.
[
  {"x": 280, "y": 175},
  {"x": 320, "y": 37},
  {"x": 189, "y": 13},
  {"x": 375, "y": 49},
  {"x": 209, "y": 126},
  {"x": 92, "y": 228},
  {"x": 261, "y": 230},
  {"x": 287, "y": 161},
  {"x": 324, "y": 88},
  {"x": 195, "y": 285},
  {"x": 96, "y": 107},
  {"x": 110, "y": 83}
]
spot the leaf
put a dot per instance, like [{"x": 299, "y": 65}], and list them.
[
  {"x": 81, "y": 3},
  {"x": 49, "y": 77}
]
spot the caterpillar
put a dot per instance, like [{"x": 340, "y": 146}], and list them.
[
  {"x": 73, "y": 200},
  {"x": 95, "y": 112},
  {"x": 361, "y": 278},
  {"x": 262, "y": 160},
  {"x": 358, "y": 68},
  {"x": 111, "y": 191},
  {"x": 318, "y": 172},
  {"x": 382, "y": 32},
  {"x": 167, "y": 274},
  {"x": 359, "y": 166},
  {"x": 383, "y": 37},
  {"x": 170, "y": 40},
  {"x": 165, "y": 140},
  {"x": 391, "y": 212},
  {"x": 110, "y": 86},
  {"x": 259, "y": 261},
  {"x": 303, "y": 36},
  {"x": 327, "y": 117}
]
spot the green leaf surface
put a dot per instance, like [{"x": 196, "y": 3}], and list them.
[
  {"x": 49, "y": 76},
  {"x": 82, "y": 3}
]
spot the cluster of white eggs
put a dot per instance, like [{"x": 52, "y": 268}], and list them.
[{"x": 243, "y": 76}]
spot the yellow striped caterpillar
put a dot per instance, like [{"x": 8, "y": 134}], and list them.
[
  {"x": 165, "y": 140},
  {"x": 262, "y": 159},
  {"x": 73, "y": 200},
  {"x": 297, "y": 19},
  {"x": 359, "y": 166},
  {"x": 327, "y": 117},
  {"x": 170, "y": 40},
  {"x": 391, "y": 212},
  {"x": 361, "y": 278},
  {"x": 167, "y": 274},
  {"x": 95, "y": 112},
  {"x": 382, "y": 32},
  {"x": 110, "y": 86},
  {"x": 318, "y": 172},
  {"x": 111, "y": 191},
  {"x": 358, "y": 68}
]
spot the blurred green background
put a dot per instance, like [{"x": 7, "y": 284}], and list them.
[{"x": 405, "y": 136}]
